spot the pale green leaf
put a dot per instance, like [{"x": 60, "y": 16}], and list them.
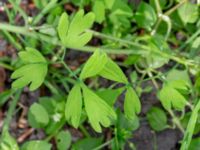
[
  {"x": 188, "y": 12},
  {"x": 7, "y": 142},
  {"x": 73, "y": 34},
  {"x": 73, "y": 106},
  {"x": 98, "y": 111},
  {"x": 33, "y": 72},
  {"x": 110, "y": 95},
  {"x": 63, "y": 26},
  {"x": 109, "y": 3},
  {"x": 99, "y": 10},
  {"x": 113, "y": 72},
  {"x": 132, "y": 104},
  {"x": 170, "y": 97},
  {"x": 94, "y": 64},
  {"x": 38, "y": 116}
]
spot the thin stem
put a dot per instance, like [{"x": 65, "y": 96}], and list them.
[
  {"x": 169, "y": 12},
  {"x": 11, "y": 110},
  {"x": 6, "y": 66},
  {"x": 153, "y": 79},
  {"x": 84, "y": 131},
  {"x": 142, "y": 49},
  {"x": 103, "y": 145},
  {"x": 158, "y": 8},
  {"x": 20, "y": 10},
  {"x": 176, "y": 121},
  {"x": 50, "y": 5},
  {"x": 68, "y": 69}
]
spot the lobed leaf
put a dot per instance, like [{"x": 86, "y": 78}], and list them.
[
  {"x": 73, "y": 107},
  {"x": 132, "y": 104},
  {"x": 94, "y": 64},
  {"x": 170, "y": 97},
  {"x": 98, "y": 111},
  {"x": 33, "y": 72},
  {"x": 113, "y": 72},
  {"x": 73, "y": 34}
]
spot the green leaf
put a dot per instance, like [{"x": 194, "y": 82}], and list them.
[
  {"x": 87, "y": 144},
  {"x": 33, "y": 72},
  {"x": 113, "y": 72},
  {"x": 94, "y": 65},
  {"x": 188, "y": 12},
  {"x": 185, "y": 121},
  {"x": 7, "y": 142},
  {"x": 157, "y": 119},
  {"x": 4, "y": 96},
  {"x": 195, "y": 144},
  {"x": 36, "y": 145},
  {"x": 190, "y": 127},
  {"x": 109, "y": 95},
  {"x": 109, "y": 3},
  {"x": 72, "y": 34},
  {"x": 132, "y": 104},
  {"x": 99, "y": 10},
  {"x": 38, "y": 116},
  {"x": 121, "y": 13},
  {"x": 63, "y": 140},
  {"x": 145, "y": 16},
  {"x": 171, "y": 97},
  {"x": 103, "y": 114},
  {"x": 73, "y": 106}
]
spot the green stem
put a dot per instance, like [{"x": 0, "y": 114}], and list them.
[
  {"x": 169, "y": 12},
  {"x": 142, "y": 49},
  {"x": 6, "y": 66},
  {"x": 50, "y": 6},
  {"x": 20, "y": 10},
  {"x": 11, "y": 110},
  {"x": 176, "y": 121},
  {"x": 103, "y": 145},
  {"x": 153, "y": 79},
  {"x": 84, "y": 131},
  {"x": 158, "y": 8}
]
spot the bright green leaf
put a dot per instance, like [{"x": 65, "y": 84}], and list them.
[
  {"x": 36, "y": 145},
  {"x": 99, "y": 10},
  {"x": 109, "y": 3},
  {"x": 157, "y": 118},
  {"x": 132, "y": 104},
  {"x": 113, "y": 72},
  {"x": 73, "y": 106},
  {"x": 63, "y": 140},
  {"x": 94, "y": 64},
  {"x": 38, "y": 116},
  {"x": 110, "y": 95},
  {"x": 98, "y": 111},
  {"x": 33, "y": 72},
  {"x": 7, "y": 142},
  {"x": 72, "y": 34},
  {"x": 170, "y": 97}
]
